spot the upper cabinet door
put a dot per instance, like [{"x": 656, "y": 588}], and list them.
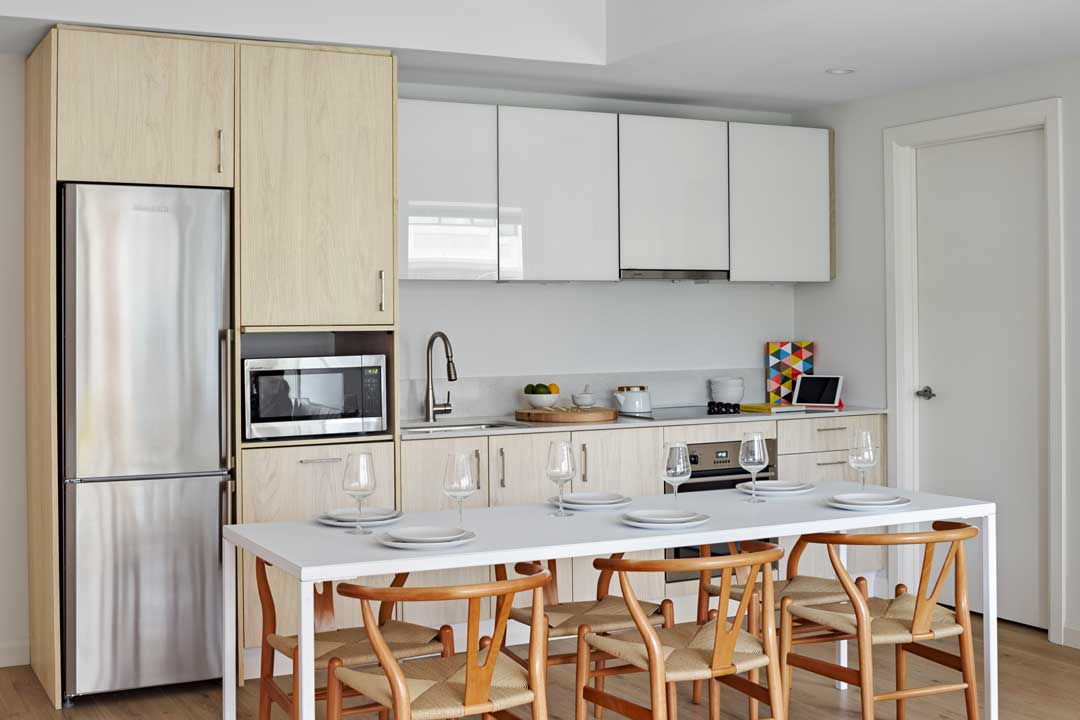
[
  {"x": 447, "y": 191},
  {"x": 781, "y": 209},
  {"x": 143, "y": 109},
  {"x": 317, "y": 187},
  {"x": 558, "y": 195},
  {"x": 673, "y": 194}
]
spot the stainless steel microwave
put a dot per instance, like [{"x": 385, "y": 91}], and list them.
[{"x": 301, "y": 397}]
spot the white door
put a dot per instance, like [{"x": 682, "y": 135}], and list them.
[{"x": 982, "y": 344}]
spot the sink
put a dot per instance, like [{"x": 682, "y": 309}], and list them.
[{"x": 438, "y": 427}]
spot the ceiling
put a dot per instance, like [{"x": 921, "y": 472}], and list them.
[{"x": 754, "y": 54}]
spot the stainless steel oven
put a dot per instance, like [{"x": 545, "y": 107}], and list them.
[
  {"x": 294, "y": 397},
  {"x": 715, "y": 466}
]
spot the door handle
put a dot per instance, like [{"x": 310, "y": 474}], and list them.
[
  {"x": 502, "y": 467},
  {"x": 584, "y": 463},
  {"x": 832, "y": 429},
  {"x": 834, "y": 462},
  {"x": 927, "y": 393},
  {"x": 382, "y": 290},
  {"x": 313, "y": 461},
  {"x": 220, "y": 151}
]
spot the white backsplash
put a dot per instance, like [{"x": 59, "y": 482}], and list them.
[{"x": 499, "y": 396}]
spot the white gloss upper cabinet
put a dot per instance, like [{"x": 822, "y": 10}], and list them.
[
  {"x": 673, "y": 193},
  {"x": 447, "y": 191},
  {"x": 558, "y": 195},
  {"x": 781, "y": 209}
]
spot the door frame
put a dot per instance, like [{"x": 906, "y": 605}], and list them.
[{"x": 901, "y": 276}]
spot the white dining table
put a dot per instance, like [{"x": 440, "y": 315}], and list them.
[{"x": 311, "y": 553}]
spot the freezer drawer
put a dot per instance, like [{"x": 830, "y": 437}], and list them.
[{"x": 142, "y": 590}]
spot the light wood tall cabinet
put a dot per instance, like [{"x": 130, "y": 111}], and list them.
[
  {"x": 297, "y": 483},
  {"x": 140, "y": 108},
  {"x": 317, "y": 193}
]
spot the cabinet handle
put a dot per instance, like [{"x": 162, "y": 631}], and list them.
[
  {"x": 842, "y": 427},
  {"x": 502, "y": 467},
  {"x": 220, "y": 151},
  {"x": 382, "y": 290},
  {"x": 834, "y": 462},
  {"x": 584, "y": 463},
  {"x": 314, "y": 461}
]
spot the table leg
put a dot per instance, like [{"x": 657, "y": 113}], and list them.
[
  {"x": 841, "y": 646},
  {"x": 990, "y": 616},
  {"x": 306, "y": 624},
  {"x": 228, "y": 630}
]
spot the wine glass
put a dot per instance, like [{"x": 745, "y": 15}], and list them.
[
  {"x": 560, "y": 470},
  {"x": 753, "y": 457},
  {"x": 863, "y": 455},
  {"x": 459, "y": 484},
  {"x": 677, "y": 468},
  {"x": 358, "y": 482}
]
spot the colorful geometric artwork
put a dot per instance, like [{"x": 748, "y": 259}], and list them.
[{"x": 785, "y": 360}]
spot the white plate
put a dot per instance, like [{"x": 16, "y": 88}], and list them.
[
  {"x": 665, "y": 517},
  {"x": 781, "y": 485},
  {"x": 348, "y": 514},
  {"x": 865, "y": 508},
  {"x": 866, "y": 498},
  {"x": 554, "y": 501},
  {"x": 326, "y": 520},
  {"x": 384, "y": 539},
  {"x": 594, "y": 498},
  {"x": 745, "y": 487},
  {"x": 662, "y": 526},
  {"x": 426, "y": 534}
]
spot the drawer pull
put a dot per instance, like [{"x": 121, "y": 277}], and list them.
[
  {"x": 313, "y": 461},
  {"x": 842, "y": 427},
  {"x": 834, "y": 462},
  {"x": 220, "y": 151},
  {"x": 502, "y": 467},
  {"x": 382, "y": 291},
  {"x": 584, "y": 463}
]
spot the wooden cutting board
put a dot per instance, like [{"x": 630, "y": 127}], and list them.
[{"x": 567, "y": 415}]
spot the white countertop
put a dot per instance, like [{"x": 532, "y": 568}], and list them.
[{"x": 621, "y": 423}]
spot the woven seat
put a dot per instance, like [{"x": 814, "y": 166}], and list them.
[
  {"x": 688, "y": 650},
  {"x": 891, "y": 619},
  {"x": 437, "y": 687},
  {"x": 802, "y": 589},
  {"x": 353, "y": 647},
  {"x": 607, "y": 615}
]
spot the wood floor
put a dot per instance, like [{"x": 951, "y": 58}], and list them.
[{"x": 1039, "y": 681}]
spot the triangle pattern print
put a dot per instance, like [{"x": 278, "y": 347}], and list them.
[{"x": 785, "y": 361}]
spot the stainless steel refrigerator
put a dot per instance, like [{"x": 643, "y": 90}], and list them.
[{"x": 146, "y": 482}]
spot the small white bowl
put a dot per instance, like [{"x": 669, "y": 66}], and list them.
[
  {"x": 542, "y": 401},
  {"x": 583, "y": 399}
]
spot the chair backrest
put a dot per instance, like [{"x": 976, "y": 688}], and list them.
[
  {"x": 953, "y": 533},
  {"x": 754, "y": 556},
  {"x": 325, "y": 619},
  {"x": 478, "y": 673},
  {"x": 551, "y": 590}
]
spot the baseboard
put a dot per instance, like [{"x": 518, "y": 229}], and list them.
[
  {"x": 1071, "y": 636},
  {"x": 14, "y": 653}
]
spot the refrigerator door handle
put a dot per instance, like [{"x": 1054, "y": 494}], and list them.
[
  {"x": 226, "y": 510},
  {"x": 225, "y": 388}
]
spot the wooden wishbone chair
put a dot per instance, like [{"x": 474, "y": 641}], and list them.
[
  {"x": 607, "y": 613},
  {"x": 351, "y": 646},
  {"x": 717, "y": 651},
  {"x": 903, "y": 621},
  {"x": 480, "y": 681}
]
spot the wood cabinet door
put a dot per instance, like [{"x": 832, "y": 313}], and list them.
[
  {"x": 144, "y": 109},
  {"x": 718, "y": 432},
  {"x": 517, "y": 475},
  {"x": 780, "y": 209},
  {"x": 423, "y": 464},
  {"x": 296, "y": 483},
  {"x": 625, "y": 461},
  {"x": 317, "y": 197}
]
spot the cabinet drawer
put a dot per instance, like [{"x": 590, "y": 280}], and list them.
[
  {"x": 826, "y": 467},
  {"x": 720, "y": 432},
  {"x": 825, "y": 433}
]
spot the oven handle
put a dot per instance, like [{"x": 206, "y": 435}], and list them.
[{"x": 769, "y": 475}]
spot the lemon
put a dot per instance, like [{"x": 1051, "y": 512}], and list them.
[{"x": 553, "y": 388}]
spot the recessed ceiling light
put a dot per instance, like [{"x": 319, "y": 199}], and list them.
[{"x": 840, "y": 70}]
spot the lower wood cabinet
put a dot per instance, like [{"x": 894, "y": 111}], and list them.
[
  {"x": 626, "y": 461},
  {"x": 296, "y": 483},
  {"x": 423, "y": 465}
]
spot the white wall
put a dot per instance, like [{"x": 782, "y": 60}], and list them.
[
  {"x": 14, "y": 637},
  {"x": 847, "y": 317}
]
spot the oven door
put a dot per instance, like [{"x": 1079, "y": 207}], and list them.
[{"x": 292, "y": 397}]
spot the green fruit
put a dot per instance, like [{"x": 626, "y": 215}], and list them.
[
  {"x": 530, "y": 389},
  {"x": 541, "y": 389}
]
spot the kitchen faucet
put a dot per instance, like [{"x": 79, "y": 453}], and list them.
[{"x": 431, "y": 408}]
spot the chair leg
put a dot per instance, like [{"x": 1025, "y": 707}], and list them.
[
  {"x": 672, "y": 701},
  {"x": 714, "y": 699},
  {"x": 598, "y": 683},
  {"x": 333, "y": 691},
  {"x": 266, "y": 675},
  {"x": 581, "y": 710},
  {"x": 785, "y": 650},
  {"x": 446, "y": 637},
  {"x": 967, "y": 668},
  {"x": 695, "y": 696},
  {"x": 901, "y": 681},
  {"x": 753, "y": 626},
  {"x": 866, "y": 674},
  {"x": 296, "y": 683}
]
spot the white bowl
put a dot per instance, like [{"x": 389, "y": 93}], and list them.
[
  {"x": 583, "y": 399},
  {"x": 727, "y": 389},
  {"x": 542, "y": 401}
]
